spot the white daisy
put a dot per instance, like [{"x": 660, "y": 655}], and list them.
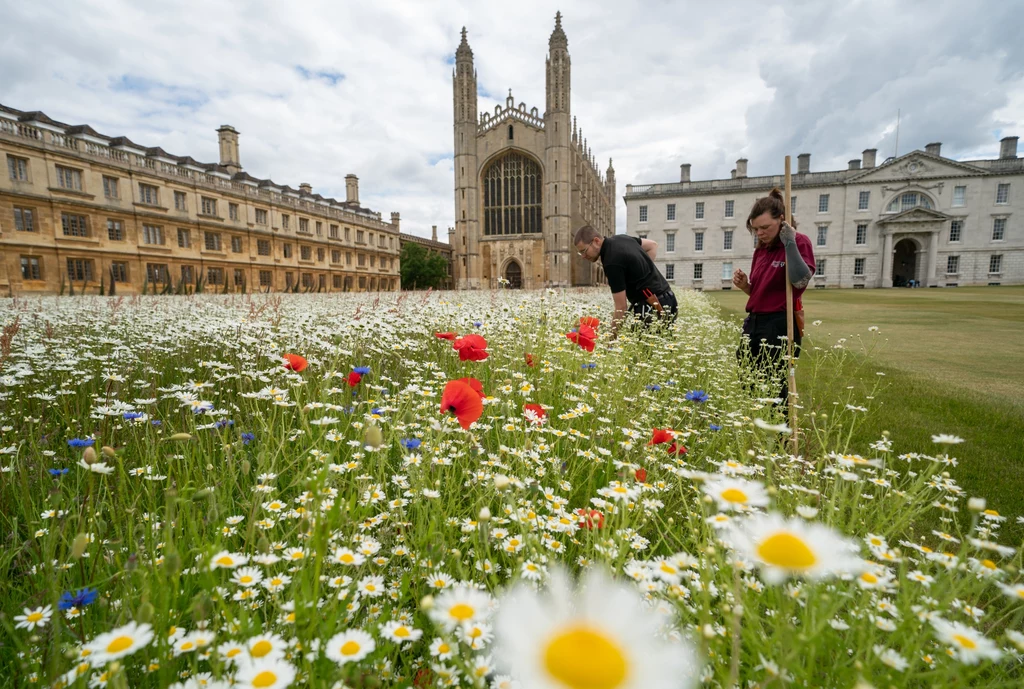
[
  {"x": 736, "y": 494},
  {"x": 349, "y": 646},
  {"x": 967, "y": 644},
  {"x": 601, "y": 636},
  {"x": 400, "y": 632},
  {"x": 792, "y": 547},
  {"x": 31, "y": 618},
  {"x": 460, "y": 605},
  {"x": 118, "y": 643},
  {"x": 265, "y": 674}
]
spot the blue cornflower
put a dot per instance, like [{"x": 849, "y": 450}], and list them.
[
  {"x": 698, "y": 396},
  {"x": 223, "y": 423},
  {"x": 157, "y": 422},
  {"x": 588, "y": 365},
  {"x": 411, "y": 443},
  {"x": 132, "y": 415},
  {"x": 477, "y": 324},
  {"x": 78, "y": 600},
  {"x": 654, "y": 387},
  {"x": 58, "y": 472},
  {"x": 670, "y": 382},
  {"x": 378, "y": 411},
  {"x": 248, "y": 438},
  {"x": 362, "y": 370},
  {"x": 350, "y": 410},
  {"x": 81, "y": 442},
  {"x": 715, "y": 428}
]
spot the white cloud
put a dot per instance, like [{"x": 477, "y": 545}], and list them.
[{"x": 321, "y": 89}]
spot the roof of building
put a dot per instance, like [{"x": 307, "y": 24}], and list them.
[
  {"x": 815, "y": 179},
  {"x": 406, "y": 237},
  {"x": 38, "y": 117}
]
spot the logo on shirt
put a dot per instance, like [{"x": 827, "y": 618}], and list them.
[{"x": 778, "y": 264}]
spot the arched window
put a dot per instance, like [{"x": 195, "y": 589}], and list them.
[
  {"x": 512, "y": 187},
  {"x": 510, "y": 132},
  {"x": 908, "y": 200}
]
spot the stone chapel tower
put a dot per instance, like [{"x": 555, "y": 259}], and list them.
[{"x": 524, "y": 182}]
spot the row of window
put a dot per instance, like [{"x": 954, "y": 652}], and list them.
[
  {"x": 861, "y": 239},
  {"x": 149, "y": 194},
  {"x": 901, "y": 203},
  {"x": 995, "y": 266},
  {"x": 84, "y": 270}
]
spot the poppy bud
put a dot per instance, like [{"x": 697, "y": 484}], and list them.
[
  {"x": 485, "y": 514},
  {"x": 79, "y": 545},
  {"x": 263, "y": 544},
  {"x": 172, "y": 562},
  {"x": 373, "y": 437},
  {"x": 246, "y": 465},
  {"x": 201, "y": 494},
  {"x": 145, "y": 612},
  {"x": 108, "y": 451},
  {"x": 89, "y": 455},
  {"x": 180, "y": 436},
  {"x": 427, "y": 602},
  {"x": 976, "y": 504},
  {"x": 501, "y": 481}
]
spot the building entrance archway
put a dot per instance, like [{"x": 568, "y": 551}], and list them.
[
  {"x": 904, "y": 263},
  {"x": 514, "y": 275}
]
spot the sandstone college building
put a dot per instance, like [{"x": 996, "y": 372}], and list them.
[
  {"x": 918, "y": 219},
  {"x": 525, "y": 181},
  {"x": 83, "y": 209}
]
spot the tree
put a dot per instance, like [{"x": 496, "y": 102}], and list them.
[{"x": 422, "y": 268}]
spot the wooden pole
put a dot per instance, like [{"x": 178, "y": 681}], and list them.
[{"x": 790, "y": 360}]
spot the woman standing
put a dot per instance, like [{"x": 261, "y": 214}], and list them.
[{"x": 781, "y": 254}]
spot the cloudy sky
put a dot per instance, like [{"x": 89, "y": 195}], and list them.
[{"x": 322, "y": 89}]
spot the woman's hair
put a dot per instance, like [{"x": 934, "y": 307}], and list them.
[{"x": 774, "y": 203}]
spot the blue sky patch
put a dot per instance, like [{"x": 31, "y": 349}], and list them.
[{"x": 329, "y": 77}]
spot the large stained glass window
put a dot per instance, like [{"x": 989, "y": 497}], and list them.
[{"x": 512, "y": 196}]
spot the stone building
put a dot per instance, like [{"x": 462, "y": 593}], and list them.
[
  {"x": 525, "y": 181},
  {"x": 434, "y": 245},
  {"x": 919, "y": 217},
  {"x": 81, "y": 208}
]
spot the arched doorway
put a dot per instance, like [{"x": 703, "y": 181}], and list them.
[
  {"x": 514, "y": 275},
  {"x": 904, "y": 263}
]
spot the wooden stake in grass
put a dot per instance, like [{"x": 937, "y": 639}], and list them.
[{"x": 790, "y": 360}]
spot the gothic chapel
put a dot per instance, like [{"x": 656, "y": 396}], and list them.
[{"x": 524, "y": 183}]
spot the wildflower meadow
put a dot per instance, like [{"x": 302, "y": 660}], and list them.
[{"x": 468, "y": 490}]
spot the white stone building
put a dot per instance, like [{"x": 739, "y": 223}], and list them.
[{"x": 921, "y": 217}]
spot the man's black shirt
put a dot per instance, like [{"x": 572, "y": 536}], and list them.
[{"x": 629, "y": 268}]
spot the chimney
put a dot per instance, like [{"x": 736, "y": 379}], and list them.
[
  {"x": 351, "y": 189},
  {"x": 869, "y": 158},
  {"x": 855, "y": 164},
  {"x": 433, "y": 232},
  {"x": 395, "y": 220},
  {"x": 741, "y": 168},
  {"x": 1008, "y": 147},
  {"x": 933, "y": 148},
  {"x": 227, "y": 136},
  {"x": 803, "y": 163},
  {"x": 306, "y": 188},
  {"x": 684, "y": 172},
  {"x": 733, "y": 172}
]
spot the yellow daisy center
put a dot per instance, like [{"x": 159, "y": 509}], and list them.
[
  {"x": 350, "y": 648},
  {"x": 461, "y": 612},
  {"x": 225, "y": 561},
  {"x": 261, "y": 648},
  {"x": 233, "y": 652},
  {"x": 585, "y": 658},
  {"x": 402, "y": 632},
  {"x": 34, "y": 617},
  {"x": 121, "y": 643},
  {"x": 347, "y": 558},
  {"x": 786, "y": 550},
  {"x": 869, "y": 578},
  {"x": 965, "y": 642},
  {"x": 444, "y": 648},
  {"x": 734, "y": 495},
  {"x": 988, "y": 564},
  {"x": 187, "y": 646},
  {"x": 245, "y": 579},
  {"x": 264, "y": 679}
]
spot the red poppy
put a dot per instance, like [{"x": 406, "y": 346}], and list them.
[
  {"x": 472, "y": 347},
  {"x": 674, "y": 449},
  {"x": 445, "y": 336},
  {"x": 529, "y": 358},
  {"x": 590, "y": 519},
  {"x": 584, "y": 337},
  {"x": 460, "y": 398},
  {"x": 423, "y": 679},
  {"x": 661, "y": 435},
  {"x": 475, "y": 384},
  {"x": 294, "y": 362},
  {"x": 538, "y": 411},
  {"x": 354, "y": 378},
  {"x": 590, "y": 321},
  {"x": 641, "y": 475}
]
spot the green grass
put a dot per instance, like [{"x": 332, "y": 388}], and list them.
[{"x": 953, "y": 361}]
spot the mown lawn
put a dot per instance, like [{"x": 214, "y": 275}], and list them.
[{"x": 953, "y": 361}]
